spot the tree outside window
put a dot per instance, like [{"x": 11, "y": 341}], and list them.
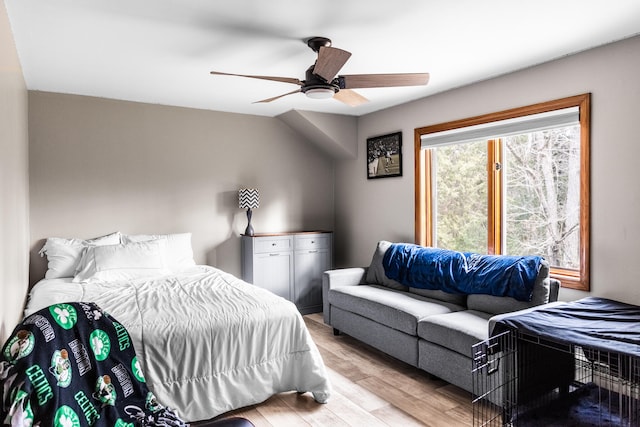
[{"x": 521, "y": 194}]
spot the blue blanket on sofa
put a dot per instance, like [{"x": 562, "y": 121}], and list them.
[{"x": 462, "y": 272}]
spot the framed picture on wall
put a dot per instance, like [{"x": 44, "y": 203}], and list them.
[{"x": 384, "y": 156}]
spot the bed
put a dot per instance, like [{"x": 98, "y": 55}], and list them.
[{"x": 209, "y": 342}]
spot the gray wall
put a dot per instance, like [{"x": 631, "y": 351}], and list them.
[
  {"x": 14, "y": 182},
  {"x": 367, "y": 211},
  {"x": 99, "y": 165}
]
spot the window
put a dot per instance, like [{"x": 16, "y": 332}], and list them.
[{"x": 514, "y": 182}]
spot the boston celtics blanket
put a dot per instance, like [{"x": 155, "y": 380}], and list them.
[{"x": 72, "y": 365}]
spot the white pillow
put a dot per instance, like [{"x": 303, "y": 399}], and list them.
[
  {"x": 179, "y": 250},
  {"x": 63, "y": 255},
  {"x": 123, "y": 262}
]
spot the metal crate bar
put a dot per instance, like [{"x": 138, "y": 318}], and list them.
[{"x": 522, "y": 380}]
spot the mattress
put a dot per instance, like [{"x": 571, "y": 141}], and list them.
[{"x": 209, "y": 342}]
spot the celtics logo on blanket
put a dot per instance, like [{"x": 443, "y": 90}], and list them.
[
  {"x": 64, "y": 314},
  {"x": 105, "y": 391},
  {"x": 61, "y": 367},
  {"x": 19, "y": 346},
  {"x": 100, "y": 344},
  {"x": 66, "y": 417},
  {"x": 137, "y": 369}
]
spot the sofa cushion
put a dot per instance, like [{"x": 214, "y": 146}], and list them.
[
  {"x": 457, "y": 331},
  {"x": 398, "y": 344},
  {"x": 499, "y": 305},
  {"x": 459, "y": 299},
  {"x": 375, "y": 273},
  {"x": 395, "y": 309}
]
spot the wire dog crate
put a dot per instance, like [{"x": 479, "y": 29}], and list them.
[{"x": 522, "y": 379}]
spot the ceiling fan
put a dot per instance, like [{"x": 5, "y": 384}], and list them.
[{"x": 321, "y": 79}]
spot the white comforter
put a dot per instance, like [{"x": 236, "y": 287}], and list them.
[{"x": 210, "y": 342}]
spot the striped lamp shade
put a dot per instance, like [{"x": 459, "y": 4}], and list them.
[{"x": 248, "y": 198}]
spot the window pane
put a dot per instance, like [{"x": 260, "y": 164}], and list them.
[
  {"x": 461, "y": 197},
  {"x": 542, "y": 200}
]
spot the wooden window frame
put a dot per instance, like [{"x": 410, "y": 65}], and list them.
[{"x": 424, "y": 215}]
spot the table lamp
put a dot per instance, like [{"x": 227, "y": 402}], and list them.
[{"x": 248, "y": 198}]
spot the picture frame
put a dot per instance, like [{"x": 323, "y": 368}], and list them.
[{"x": 384, "y": 156}]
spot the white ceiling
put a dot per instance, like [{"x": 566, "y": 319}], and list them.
[{"x": 161, "y": 51}]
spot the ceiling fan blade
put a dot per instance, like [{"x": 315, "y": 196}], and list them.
[
  {"x": 350, "y": 97},
  {"x": 276, "y": 97},
  {"x": 355, "y": 81},
  {"x": 275, "y": 79},
  {"x": 330, "y": 60}
]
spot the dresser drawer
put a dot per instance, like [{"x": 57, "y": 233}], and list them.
[
  {"x": 312, "y": 241},
  {"x": 272, "y": 244}
]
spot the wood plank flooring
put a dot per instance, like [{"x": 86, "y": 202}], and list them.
[{"x": 369, "y": 389}]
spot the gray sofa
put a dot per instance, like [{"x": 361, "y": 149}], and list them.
[{"x": 428, "y": 329}]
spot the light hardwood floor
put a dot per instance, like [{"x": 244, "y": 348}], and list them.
[{"x": 369, "y": 389}]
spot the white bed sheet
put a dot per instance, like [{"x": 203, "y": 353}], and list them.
[{"x": 209, "y": 342}]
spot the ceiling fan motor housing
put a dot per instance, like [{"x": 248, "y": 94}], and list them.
[{"x": 314, "y": 82}]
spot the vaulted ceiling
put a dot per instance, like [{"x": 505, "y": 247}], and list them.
[{"x": 161, "y": 51}]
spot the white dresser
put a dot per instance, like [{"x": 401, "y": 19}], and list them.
[{"x": 289, "y": 265}]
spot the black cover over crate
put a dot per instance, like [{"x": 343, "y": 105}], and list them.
[{"x": 573, "y": 364}]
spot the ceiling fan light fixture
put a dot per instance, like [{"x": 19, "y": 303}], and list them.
[{"x": 320, "y": 93}]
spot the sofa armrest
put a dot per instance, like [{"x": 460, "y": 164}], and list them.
[
  {"x": 495, "y": 319},
  {"x": 344, "y": 277},
  {"x": 554, "y": 289},
  {"x": 339, "y": 277}
]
